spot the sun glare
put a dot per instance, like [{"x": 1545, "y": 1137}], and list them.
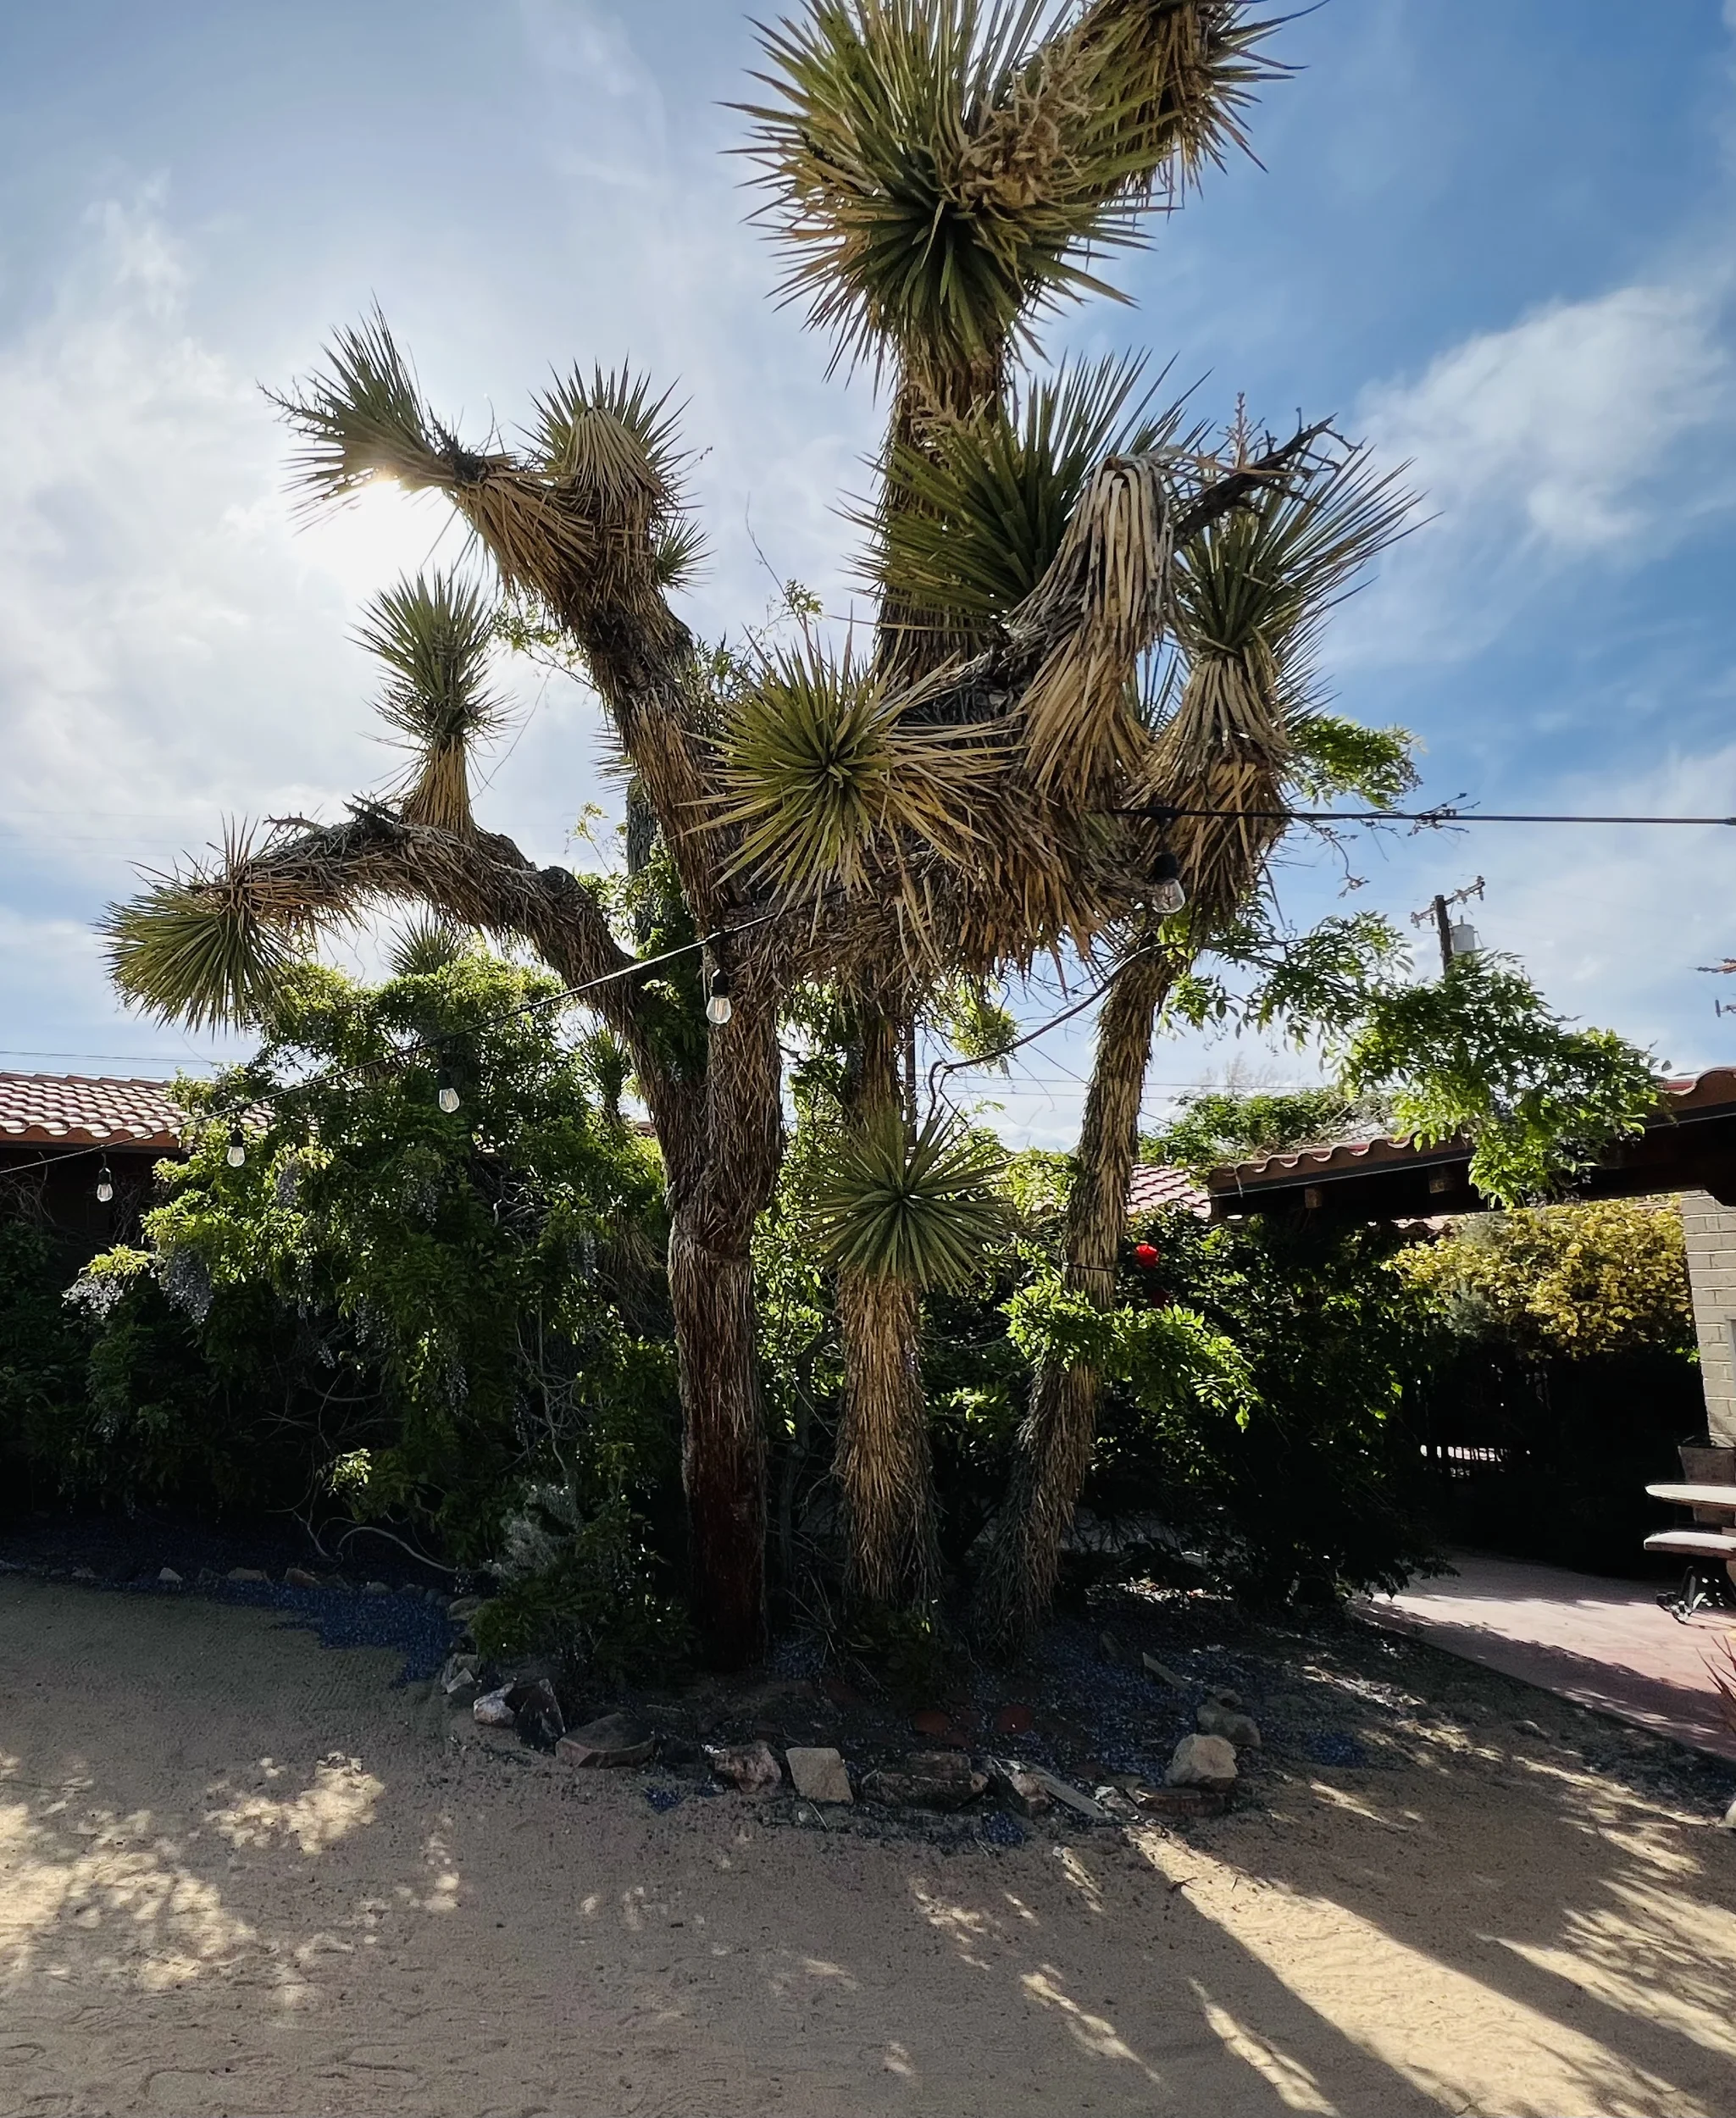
[{"x": 383, "y": 533}]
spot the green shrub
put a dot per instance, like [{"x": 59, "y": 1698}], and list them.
[{"x": 390, "y": 1313}]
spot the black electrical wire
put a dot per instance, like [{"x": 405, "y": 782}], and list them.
[
  {"x": 566, "y": 993},
  {"x": 1164, "y": 812}
]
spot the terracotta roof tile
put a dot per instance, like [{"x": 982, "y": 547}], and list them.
[
  {"x": 48, "y": 1110},
  {"x": 1686, "y": 1096},
  {"x": 1153, "y": 1185}
]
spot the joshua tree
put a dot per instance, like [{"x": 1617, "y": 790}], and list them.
[
  {"x": 1251, "y": 592},
  {"x": 970, "y": 798},
  {"x": 938, "y": 172}
]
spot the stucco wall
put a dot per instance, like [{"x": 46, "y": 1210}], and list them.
[{"x": 1711, "y": 1231}]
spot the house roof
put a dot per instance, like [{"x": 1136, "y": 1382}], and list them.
[
  {"x": 1153, "y": 1184},
  {"x": 1684, "y": 1146},
  {"x": 71, "y": 1110}
]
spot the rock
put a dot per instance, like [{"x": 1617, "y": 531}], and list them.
[
  {"x": 1117, "y": 1805},
  {"x": 1163, "y": 1673},
  {"x": 750, "y": 1766},
  {"x": 246, "y": 1573},
  {"x": 1110, "y": 1647},
  {"x": 930, "y": 1779},
  {"x": 376, "y": 1589},
  {"x": 1728, "y": 1822},
  {"x": 1215, "y": 1719},
  {"x": 537, "y": 1713},
  {"x": 1059, "y": 1790},
  {"x": 1208, "y": 1762},
  {"x": 299, "y": 1578},
  {"x": 460, "y": 1675},
  {"x": 492, "y": 1711},
  {"x": 463, "y": 1607},
  {"x": 818, "y": 1775},
  {"x": 1531, "y": 1728},
  {"x": 1019, "y": 1788},
  {"x": 1225, "y": 1697},
  {"x": 168, "y": 1578},
  {"x": 84, "y": 1573},
  {"x": 614, "y": 1739}
]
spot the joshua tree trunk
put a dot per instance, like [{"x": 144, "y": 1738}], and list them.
[
  {"x": 883, "y": 1463},
  {"x": 1056, "y": 1441},
  {"x": 723, "y": 1457}
]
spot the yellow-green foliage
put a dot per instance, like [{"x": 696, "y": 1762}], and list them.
[{"x": 1572, "y": 1280}]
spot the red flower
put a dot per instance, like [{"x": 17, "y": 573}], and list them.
[{"x": 1144, "y": 1256}]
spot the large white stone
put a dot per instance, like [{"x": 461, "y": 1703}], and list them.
[{"x": 1208, "y": 1762}]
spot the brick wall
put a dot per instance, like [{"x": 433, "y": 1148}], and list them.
[{"x": 1710, "y": 1232}]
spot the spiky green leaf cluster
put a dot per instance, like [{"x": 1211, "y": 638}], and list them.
[
  {"x": 940, "y": 170},
  {"x": 1258, "y": 583},
  {"x": 435, "y": 634},
  {"x": 969, "y": 522},
  {"x": 821, "y": 769},
  {"x": 362, "y": 418},
  {"x": 919, "y": 1211},
  {"x": 426, "y": 944},
  {"x": 206, "y": 945}
]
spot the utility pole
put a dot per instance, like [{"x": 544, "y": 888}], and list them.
[{"x": 1456, "y": 937}]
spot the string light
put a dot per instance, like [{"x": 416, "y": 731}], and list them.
[
  {"x": 105, "y": 1183},
  {"x": 448, "y": 1094},
  {"x": 236, "y": 1152},
  {"x": 719, "y": 1007},
  {"x": 1168, "y": 891}
]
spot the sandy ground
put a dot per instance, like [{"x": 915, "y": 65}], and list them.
[{"x": 240, "y": 1874}]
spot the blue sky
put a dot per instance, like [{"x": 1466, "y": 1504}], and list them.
[{"x": 1495, "y": 236}]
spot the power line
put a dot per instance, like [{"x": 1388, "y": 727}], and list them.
[{"x": 1447, "y": 812}]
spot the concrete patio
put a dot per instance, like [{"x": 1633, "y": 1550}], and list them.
[{"x": 1603, "y": 1643}]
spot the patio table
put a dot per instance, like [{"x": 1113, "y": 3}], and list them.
[
  {"x": 1707, "y": 1541},
  {"x": 1721, "y": 1497}
]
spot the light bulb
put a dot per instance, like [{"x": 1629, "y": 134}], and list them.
[
  {"x": 105, "y": 1186},
  {"x": 719, "y": 1007},
  {"x": 448, "y": 1098},
  {"x": 237, "y": 1153},
  {"x": 1168, "y": 892}
]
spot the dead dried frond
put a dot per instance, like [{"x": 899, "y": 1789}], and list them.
[
  {"x": 972, "y": 517},
  {"x": 1172, "y": 81},
  {"x": 1103, "y": 603},
  {"x": 1250, "y": 593}
]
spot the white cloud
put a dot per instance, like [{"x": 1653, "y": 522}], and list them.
[
  {"x": 169, "y": 648},
  {"x": 1581, "y": 433}
]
